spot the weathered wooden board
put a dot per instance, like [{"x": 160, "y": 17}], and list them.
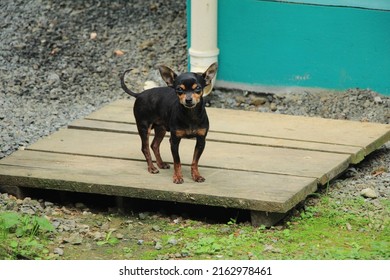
[
  {"x": 367, "y": 136},
  {"x": 227, "y": 188},
  {"x": 356, "y": 153},
  {"x": 321, "y": 165}
]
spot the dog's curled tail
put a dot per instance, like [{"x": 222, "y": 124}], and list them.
[{"x": 123, "y": 85}]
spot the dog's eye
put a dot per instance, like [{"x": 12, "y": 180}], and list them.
[
  {"x": 179, "y": 90},
  {"x": 198, "y": 89}
]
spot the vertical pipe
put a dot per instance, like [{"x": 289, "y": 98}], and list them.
[{"x": 203, "y": 50}]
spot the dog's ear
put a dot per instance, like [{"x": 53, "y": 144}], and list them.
[
  {"x": 209, "y": 74},
  {"x": 168, "y": 75}
]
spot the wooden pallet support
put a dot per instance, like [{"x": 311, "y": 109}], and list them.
[{"x": 267, "y": 219}]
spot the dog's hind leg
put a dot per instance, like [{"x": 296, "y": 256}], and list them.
[
  {"x": 159, "y": 134},
  {"x": 144, "y": 132}
]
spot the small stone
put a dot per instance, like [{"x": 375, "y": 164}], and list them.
[
  {"x": 240, "y": 99},
  {"x": 143, "y": 216},
  {"x": 53, "y": 78},
  {"x": 367, "y": 104},
  {"x": 56, "y": 223},
  {"x": 172, "y": 241},
  {"x": 348, "y": 226},
  {"x": 368, "y": 193},
  {"x": 153, "y": 7},
  {"x": 158, "y": 246},
  {"x": 257, "y": 101},
  {"x": 156, "y": 228},
  {"x": 74, "y": 239},
  {"x": 146, "y": 44},
  {"x": 93, "y": 35},
  {"x": 58, "y": 251},
  {"x": 140, "y": 242},
  {"x": 378, "y": 100},
  {"x": 185, "y": 254},
  {"x": 48, "y": 204},
  {"x": 27, "y": 209},
  {"x": 97, "y": 235},
  {"x": 272, "y": 249},
  {"x": 119, "y": 235},
  {"x": 119, "y": 52},
  {"x": 273, "y": 107},
  {"x": 105, "y": 226}
]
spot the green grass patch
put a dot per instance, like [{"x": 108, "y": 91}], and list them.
[
  {"x": 332, "y": 229},
  {"x": 24, "y": 236}
]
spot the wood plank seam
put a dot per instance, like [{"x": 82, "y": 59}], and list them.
[
  {"x": 183, "y": 164},
  {"x": 226, "y": 141},
  {"x": 386, "y": 137}
]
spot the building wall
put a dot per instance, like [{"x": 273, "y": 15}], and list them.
[{"x": 275, "y": 43}]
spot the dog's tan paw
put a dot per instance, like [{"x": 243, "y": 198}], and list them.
[
  {"x": 153, "y": 170},
  {"x": 164, "y": 165},
  {"x": 178, "y": 180},
  {"x": 198, "y": 179}
]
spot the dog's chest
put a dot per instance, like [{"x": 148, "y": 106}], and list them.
[{"x": 190, "y": 132}]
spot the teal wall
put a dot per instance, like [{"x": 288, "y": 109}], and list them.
[{"x": 271, "y": 43}]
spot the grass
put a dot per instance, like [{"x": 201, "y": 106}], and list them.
[
  {"x": 24, "y": 236},
  {"x": 330, "y": 229}
]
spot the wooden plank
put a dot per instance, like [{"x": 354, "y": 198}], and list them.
[
  {"x": 357, "y": 153},
  {"x": 321, "y": 165},
  {"x": 120, "y": 111},
  {"x": 226, "y": 188},
  {"x": 368, "y": 136}
]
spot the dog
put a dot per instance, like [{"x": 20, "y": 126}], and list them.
[{"x": 178, "y": 108}]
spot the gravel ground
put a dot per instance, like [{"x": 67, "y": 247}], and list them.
[{"x": 60, "y": 60}]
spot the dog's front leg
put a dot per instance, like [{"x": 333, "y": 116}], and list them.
[
  {"x": 199, "y": 147},
  {"x": 177, "y": 175}
]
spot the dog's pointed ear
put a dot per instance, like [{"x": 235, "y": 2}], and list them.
[
  {"x": 209, "y": 74},
  {"x": 168, "y": 75}
]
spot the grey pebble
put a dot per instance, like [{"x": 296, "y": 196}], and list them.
[
  {"x": 368, "y": 193},
  {"x": 158, "y": 246},
  {"x": 140, "y": 242},
  {"x": 58, "y": 251}
]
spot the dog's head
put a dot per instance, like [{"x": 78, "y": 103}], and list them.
[{"x": 189, "y": 86}]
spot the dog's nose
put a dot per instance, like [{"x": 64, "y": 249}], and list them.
[{"x": 189, "y": 101}]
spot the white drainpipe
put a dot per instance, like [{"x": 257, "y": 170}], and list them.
[{"x": 203, "y": 51}]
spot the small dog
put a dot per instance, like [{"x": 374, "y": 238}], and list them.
[{"x": 178, "y": 108}]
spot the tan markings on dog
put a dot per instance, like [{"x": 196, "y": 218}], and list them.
[
  {"x": 183, "y": 87},
  {"x": 196, "y": 97},
  {"x": 182, "y": 99},
  {"x": 180, "y": 133},
  {"x": 190, "y": 132},
  {"x": 201, "y": 131},
  {"x": 194, "y": 86}
]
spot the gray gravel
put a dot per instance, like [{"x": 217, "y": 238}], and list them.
[
  {"x": 53, "y": 70},
  {"x": 60, "y": 60}
]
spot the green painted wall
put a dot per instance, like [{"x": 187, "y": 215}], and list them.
[{"x": 288, "y": 44}]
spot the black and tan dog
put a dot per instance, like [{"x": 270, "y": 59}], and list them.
[{"x": 178, "y": 108}]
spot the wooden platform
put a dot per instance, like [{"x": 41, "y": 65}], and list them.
[{"x": 263, "y": 162}]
